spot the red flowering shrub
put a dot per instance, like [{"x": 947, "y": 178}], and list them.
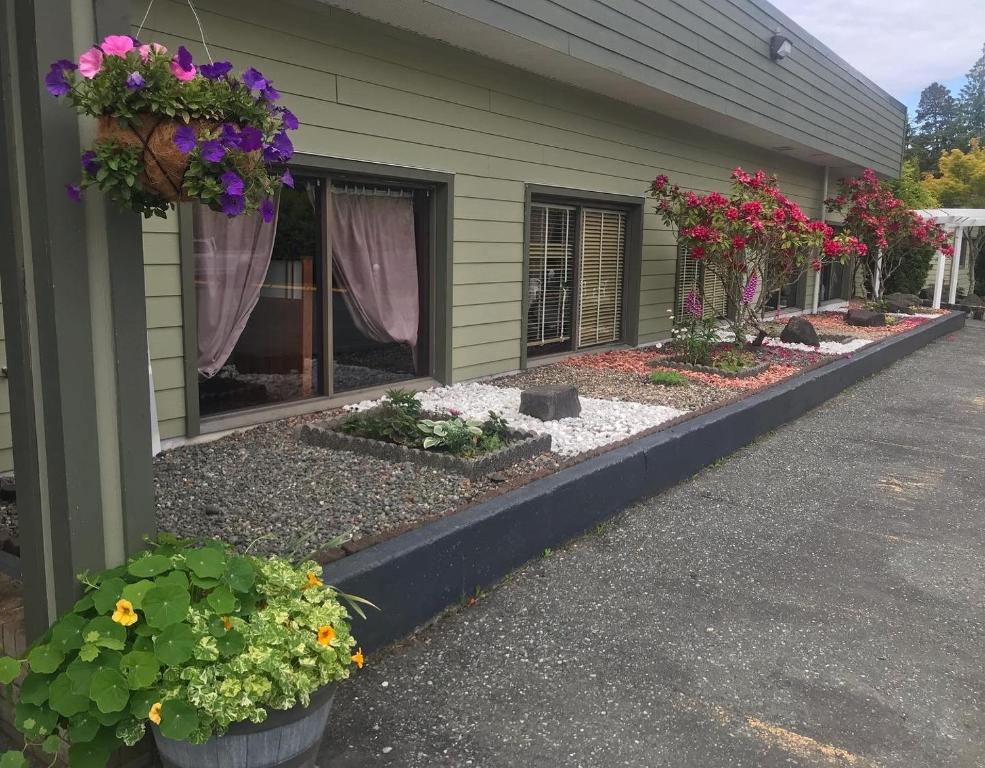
[
  {"x": 884, "y": 224},
  {"x": 754, "y": 241}
]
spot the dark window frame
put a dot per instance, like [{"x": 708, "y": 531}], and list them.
[
  {"x": 441, "y": 260},
  {"x": 633, "y": 207}
]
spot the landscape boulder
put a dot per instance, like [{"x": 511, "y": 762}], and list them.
[
  {"x": 799, "y": 330},
  {"x": 550, "y": 403},
  {"x": 865, "y": 318},
  {"x": 901, "y": 303}
]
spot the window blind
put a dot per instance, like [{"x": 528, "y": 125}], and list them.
[
  {"x": 603, "y": 250},
  {"x": 692, "y": 276},
  {"x": 550, "y": 272}
]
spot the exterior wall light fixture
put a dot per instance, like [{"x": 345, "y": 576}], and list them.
[{"x": 780, "y": 47}]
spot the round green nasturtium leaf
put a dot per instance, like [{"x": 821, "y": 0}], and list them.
[
  {"x": 142, "y": 701},
  {"x": 13, "y": 760},
  {"x": 135, "y": 592},
  {"x": 109, "y": 690},
  {"x": 231, "y": 643},
  {"x": 35, "y": 722},
  {"x": 221, "y": 600},
  {"x": 88, "y": 652},
  {"x": 217, "y": 627},
  {"x": 201, "y": 583},
  {"x": 64, "y": 699},
  {"x": 104, "y": 598},
  {"x": 240, "y": 574},
  {"x": 179, "y": 719},
  {"x": 105, "y": 633},
  {"x": 67, "y": 633},
  {"x": 175, "y": 579},
  {"x": 83, "y": 727},
  {"x": 52, "y": 744},
  {"x": 152, "y": 565},
  {"x": 175, "y": 644},
  {"x": 89, "y": 754},
  {"x": 167, "y": 605},
  {"x": 141, "y": 668},
  {"x": 9, "y": 669},
  {"x": 34, "y": 689},
  {"x": 84, "y": 604},
  {"x": 80, "y": 673},
  {"x": 206, "y": 563},
  {"x": 45, "y": 659},
  {"x": 108, "y": 718}
]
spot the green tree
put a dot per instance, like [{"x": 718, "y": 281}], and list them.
[
  {"x": 937, "y": 125},
  {"x": 971, "y": 99},
  {"x": 911, "y": 189}
]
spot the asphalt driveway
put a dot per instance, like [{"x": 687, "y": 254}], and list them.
[{"x": 818, "y": 599}]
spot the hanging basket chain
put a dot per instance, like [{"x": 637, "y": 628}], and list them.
[{"x": 198, "y": 21}]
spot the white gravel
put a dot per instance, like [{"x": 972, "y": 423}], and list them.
[
  {"x": 601, "y": 421},
  {"x": 826, "y": 348}
]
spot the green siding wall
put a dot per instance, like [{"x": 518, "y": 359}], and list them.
[{"x": 369, "y": 92}]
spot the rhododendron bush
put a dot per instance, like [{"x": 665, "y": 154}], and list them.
[
  {"x": 891, "y": 232},
  {"x": 754, "y": 240}
]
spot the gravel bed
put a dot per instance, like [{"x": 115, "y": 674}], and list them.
[
  {"x": 617, "y": 385},
  {"x": 826, "y": 348},
  {"x": 601, "y": 421}
]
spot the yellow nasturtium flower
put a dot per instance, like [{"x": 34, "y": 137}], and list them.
[
  {"x": 359, "y": 658},
  {"x": 124, "y": 613},
  {"x": 155, "y": 713},
  {"x": 326, "y": 634},
  {"x": 313, "y": 581}
]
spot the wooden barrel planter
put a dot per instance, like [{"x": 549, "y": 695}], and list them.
[{"x": 288, "y": 738}]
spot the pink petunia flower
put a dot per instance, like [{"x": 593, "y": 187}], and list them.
[
  {"x": 181, "y": 73},
  {"x": 91, "y": 63},
  {"x": 117, "y": 45},
  {"x": 146, "y": 50}
]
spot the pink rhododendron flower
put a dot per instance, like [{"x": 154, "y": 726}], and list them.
[
  {"x": 117, "y": 45},
  {"x": 91, "y": 63}
]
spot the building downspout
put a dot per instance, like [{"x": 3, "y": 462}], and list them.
[{"x": 817, "y": 275}]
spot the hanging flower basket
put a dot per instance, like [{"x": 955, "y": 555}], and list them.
[{"x": 172, "y": 131}]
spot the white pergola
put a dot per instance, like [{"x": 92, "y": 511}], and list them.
[{"x": 958, "y": 219}]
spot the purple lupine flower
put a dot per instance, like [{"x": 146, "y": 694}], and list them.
[
  {"x": 270, "y": 93},
  {"x": 279, "y": 150},
  {"x": 134, "y": 81},
  {"x": 289, "y": 119},
  {"x": 216, "y": 71},
  {"x": 287, "y": 180},
  {"x": 250, "y": 139},
  {"x": 232, "y": 184},
  {"x": 185, "y": 138},
  {"x": 74, "y": 192},
  {"x": 749, "y": 292},
  {"x": 89, "y": 163},
  {"x": 267, "y": 210},
  {"x": 55, "y": 80},
  {"x": 254, "y": 80},
  {"x": 232, "y": 205},
  {"x": 229, "y": 136},
  {"x": 693, "y": 306},
  {"x": 213, "y": 151}
]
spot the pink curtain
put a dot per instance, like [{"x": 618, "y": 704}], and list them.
[
  {"x": 374, "y": 252},
  {"x": 231, "y": 260}
]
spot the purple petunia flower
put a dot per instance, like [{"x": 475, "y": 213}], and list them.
[
  {"x": 74, "y": 192},
  {"x": 55, "y": 80},
  {"x": 267, "y": 210},
  {"x": 232, "y": 205},
  {"x": 216, "y": 71},
  {"x": 279, "y": 150},
  {"x": 270, "y": 93},
  {"x": 229, "y": 137},
  {"x": 185, "y": 138},
  {"x": 289, "y": 119},
  {"x": 89, "y": 164},
  {"x": 254, "y": 80},
  {"x": 250, "y": 139},
  {"x": 134, "y": 81},
  {"x": 184, "y": 58},
  {"x": 213, "y": 151},
  {"x": 232, "y": 184},
  {"x": 287, "y": 180}
]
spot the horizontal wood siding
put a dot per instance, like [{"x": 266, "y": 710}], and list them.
[
  {"x": 370, "y": 92},
  {"x": 162, "y": 283}
]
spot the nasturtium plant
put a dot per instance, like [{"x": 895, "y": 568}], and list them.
[{"x": 189, "y": 636}]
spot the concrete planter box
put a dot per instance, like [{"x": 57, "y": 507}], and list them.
[
  {"x": 525, "y": 445},
  {"x": 288, "y": 738},
  {"x": 745, "y": 373}
]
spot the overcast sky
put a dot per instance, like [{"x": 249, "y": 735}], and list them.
[{"x": 902, "y": 45}]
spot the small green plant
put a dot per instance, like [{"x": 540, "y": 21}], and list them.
[
  {"x": 548, "y": 552},
  {"x": 191, "y": 637},
  {"x": 668, "y": 378},
  {"x": 876, "y": 305},
  {"x": 734, "y": 360},
  {"x": 454, "y": 435},
  {"x": 394, "y": 420},
  {"x": 694, "y": 335}
]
